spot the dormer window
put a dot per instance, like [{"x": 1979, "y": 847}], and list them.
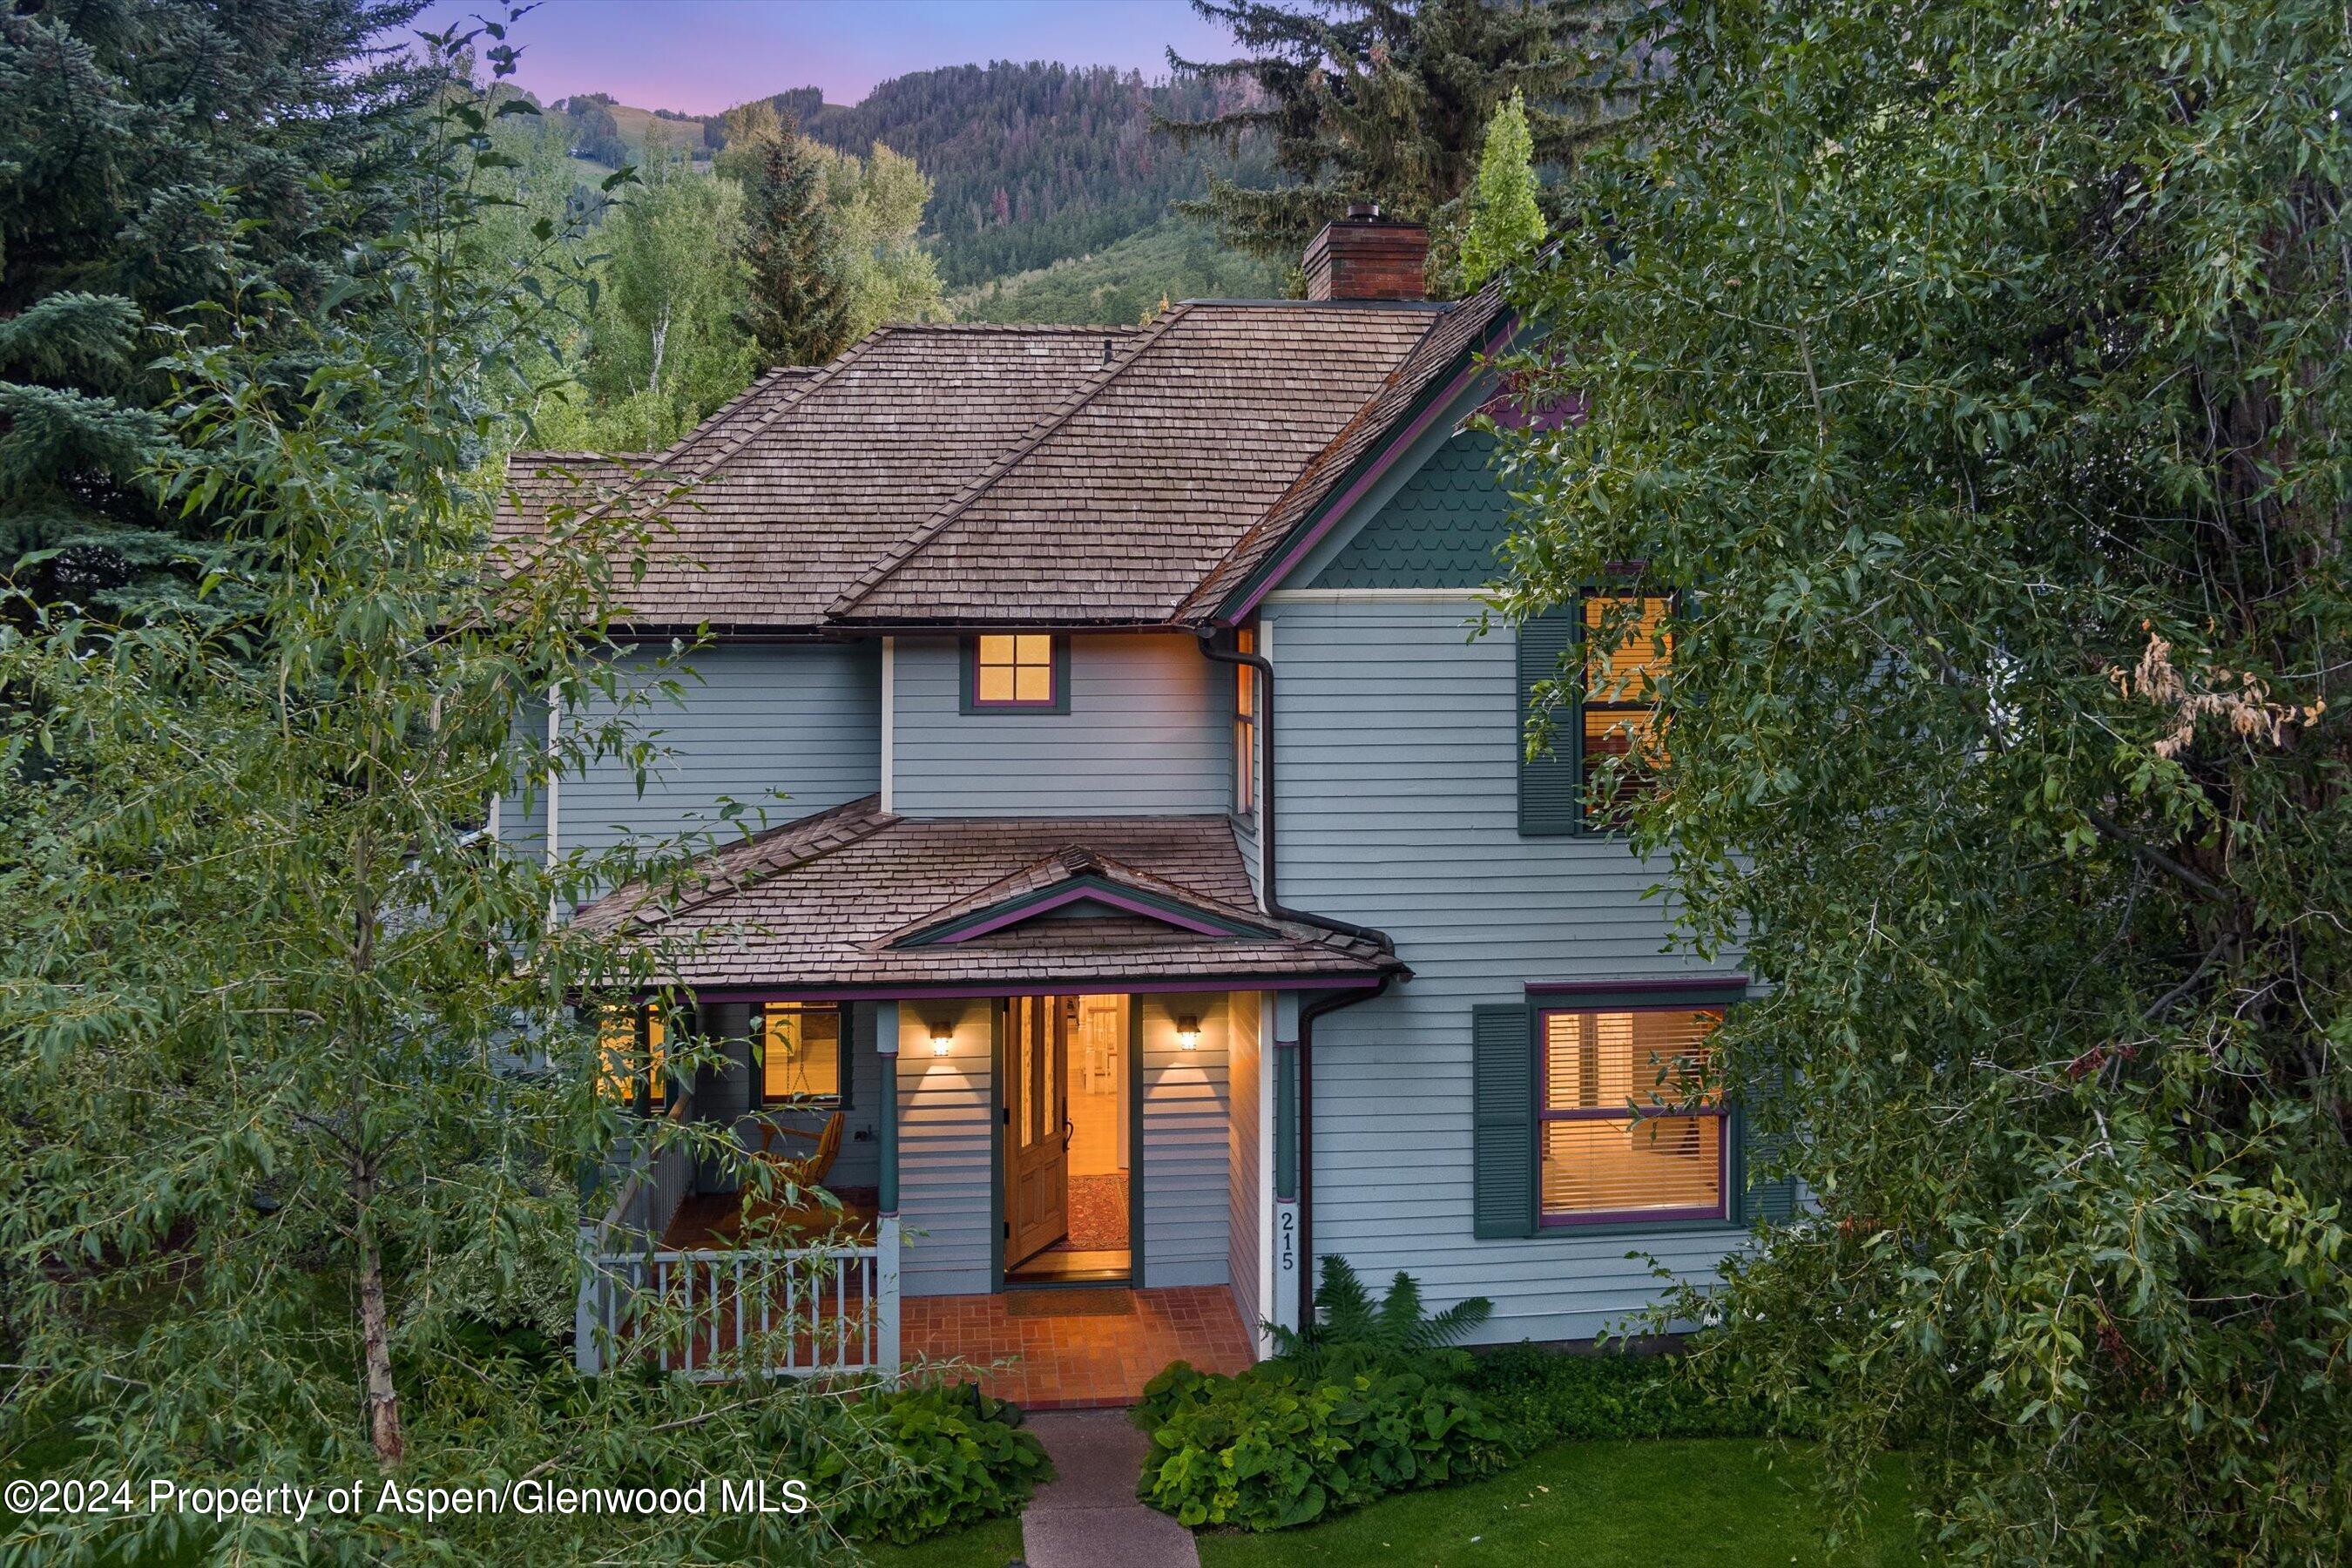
[{"x": 1016, "y": 672}]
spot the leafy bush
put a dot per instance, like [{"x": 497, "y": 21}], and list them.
[
  {"x": 1400, "y": 1326},
  {"x": 932, "y": 1458},
  {"x": 1284, "y": 1444},
  {"x": 1546, "y": 1396}
]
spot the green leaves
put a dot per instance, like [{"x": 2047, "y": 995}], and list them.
[{"x": 1964, "y": 370}]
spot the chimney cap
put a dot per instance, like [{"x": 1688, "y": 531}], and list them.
[{"x": 1363, "y": 209}]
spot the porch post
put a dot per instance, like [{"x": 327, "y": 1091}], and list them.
[
  {"x": 1283, "y": 1307},
  {"x": 885, "y": 1227}
]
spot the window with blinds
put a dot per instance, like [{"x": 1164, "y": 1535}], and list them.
[
  {"x": 1621, "y": 744},
  {"x": 1622, "y": 1130}
]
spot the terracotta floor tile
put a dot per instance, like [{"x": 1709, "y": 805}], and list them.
[{"x": 1078, "y": 1362}]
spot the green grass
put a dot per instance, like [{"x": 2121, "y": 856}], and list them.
[
  {"x": 1698, "y": 1503},
  {"x": 992, "y": 1544}
]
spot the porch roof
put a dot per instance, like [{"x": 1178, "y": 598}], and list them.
[{"x": 855, "y": 898}]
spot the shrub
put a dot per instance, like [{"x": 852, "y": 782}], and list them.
[
  {"x": 1398, "y": 1325},
  {"x": 1545, "y": 1396},
  {"x": 933, "y": 1456},
  {"x": 1283, "y": 1443}
]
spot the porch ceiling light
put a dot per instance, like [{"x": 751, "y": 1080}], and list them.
[
  {"x": 1188, "y": 1032},
  {"x": 942, "y": 1036}
]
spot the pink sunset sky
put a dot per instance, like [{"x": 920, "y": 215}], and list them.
[{"x": 699, "y": 57}]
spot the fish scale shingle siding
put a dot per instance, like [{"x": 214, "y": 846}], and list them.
[{"x": 1442, "y": 529}]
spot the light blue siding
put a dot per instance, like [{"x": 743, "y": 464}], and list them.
[
  {"x": 1398, "y": 795},
  {"x": 1187, "y": 1161},
  {"x": 752, "y": 722},
  {"x": 946, "y": 1148},
  {"x": 1147, "y": 733}
]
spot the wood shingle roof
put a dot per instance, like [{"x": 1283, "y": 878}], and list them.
[
  {"x": 837, "y": 900},
  {"x": 959, "y": 475}
]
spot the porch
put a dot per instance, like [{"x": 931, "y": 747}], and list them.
[{"x": 1036, "y": 1059}]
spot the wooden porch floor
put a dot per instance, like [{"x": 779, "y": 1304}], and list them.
[{"x": 1077, "y": 1350}]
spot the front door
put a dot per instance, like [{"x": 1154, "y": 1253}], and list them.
[{"x": 1036, "y": 1127}]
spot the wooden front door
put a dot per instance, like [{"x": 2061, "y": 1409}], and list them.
[{"x": 1036, "y": 1127}]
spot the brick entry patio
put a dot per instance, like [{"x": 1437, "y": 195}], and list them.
[{"x": 1077, "y": 1350}]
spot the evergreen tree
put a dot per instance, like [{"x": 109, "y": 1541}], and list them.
[
  {"x": 208, "y": 144},
  {"x": 1385, "y": 100},
  {"x": 798, "y": 311},
  {"x": 1506, "y": 225}
]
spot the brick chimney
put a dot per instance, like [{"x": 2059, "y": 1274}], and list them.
[{"x": 1367, "y": 256}]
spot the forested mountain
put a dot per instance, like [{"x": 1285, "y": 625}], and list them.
[{"x": 1030, "y": 163}]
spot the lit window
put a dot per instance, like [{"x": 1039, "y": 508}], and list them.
[
  {"x": 1244, "y": 727},
  {"x": 1624, "y": 1133},
  {"x": 800, "y": 1052},
  {"x": 630, "y": 1041},
  {"x": 1015, "y": 670},
  {"x": 1621, "y": 747}
]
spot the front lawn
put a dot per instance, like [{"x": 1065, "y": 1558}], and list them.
[{"x": 1691, "y": 1503}]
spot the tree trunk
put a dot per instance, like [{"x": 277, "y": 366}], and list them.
[{"x": 382, "y": 1399}]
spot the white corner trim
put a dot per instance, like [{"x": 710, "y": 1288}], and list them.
[{"x": 889, "y": 718}]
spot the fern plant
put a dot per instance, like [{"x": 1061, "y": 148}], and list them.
[{"x": 1349, "y": 1322}]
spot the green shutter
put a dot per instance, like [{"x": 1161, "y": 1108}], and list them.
[
  {"x": 1550, "y": 801},
  {"x": 1502, "y": 1121},
  {"x": 1770, "y": 1201}
]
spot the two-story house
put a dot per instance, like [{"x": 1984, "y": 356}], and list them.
[{"x": 1160, "y": 894}]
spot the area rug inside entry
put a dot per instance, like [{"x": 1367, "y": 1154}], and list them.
[{"x": 1097, "y": 1213}]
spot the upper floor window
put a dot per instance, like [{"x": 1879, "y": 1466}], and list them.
[
  {"x": 1623, "y": 1130},
  {"x": 1246, "y": 727},
  {"x": 800, "y": 1055},
  {"x": 1016, "y": 672},
  {"x": 1620, "y": 749}
]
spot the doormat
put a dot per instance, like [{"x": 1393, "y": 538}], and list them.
[
  {"x": 1069, "y": 1303},
  {"x": 1097, "y": 1213}
]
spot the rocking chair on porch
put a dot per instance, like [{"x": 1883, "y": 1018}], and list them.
[{"x": 797, "y": 1175}]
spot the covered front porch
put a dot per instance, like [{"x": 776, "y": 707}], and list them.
[{"x": 1033, "y": 1062}]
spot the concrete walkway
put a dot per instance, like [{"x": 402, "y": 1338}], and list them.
[{"x": 1086, "y": 1517}]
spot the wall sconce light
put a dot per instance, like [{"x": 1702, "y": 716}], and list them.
[
  {"x": 942, "y": 1036},
  {"x": 1188, "y": 1032}
]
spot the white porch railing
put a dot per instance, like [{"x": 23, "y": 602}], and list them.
[
  {"x": 804, "y": 1311},
  {"x": 797, "y": 1312}
]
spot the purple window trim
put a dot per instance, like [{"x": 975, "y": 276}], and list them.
[
  {"x": 1050, "y": 702},
  {"x": 1077, "y": 895},
  {"x": 1544, "y": 1113},
  {"x": 1697, "y": 985}
]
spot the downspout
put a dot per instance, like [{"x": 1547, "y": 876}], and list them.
[
  {"x": 1312, "y": 1010},
  {"x": 1307, "y": 1016}
]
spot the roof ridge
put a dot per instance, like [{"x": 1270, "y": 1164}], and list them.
[
  {"x": 1311, "y": 470},
  {"x": 906, "y": 549}
]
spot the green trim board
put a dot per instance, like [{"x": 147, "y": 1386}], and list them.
[{"x": 1135, "y": 1091}]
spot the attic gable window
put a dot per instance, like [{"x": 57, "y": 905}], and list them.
[{"x": 1016, "y": 672}]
